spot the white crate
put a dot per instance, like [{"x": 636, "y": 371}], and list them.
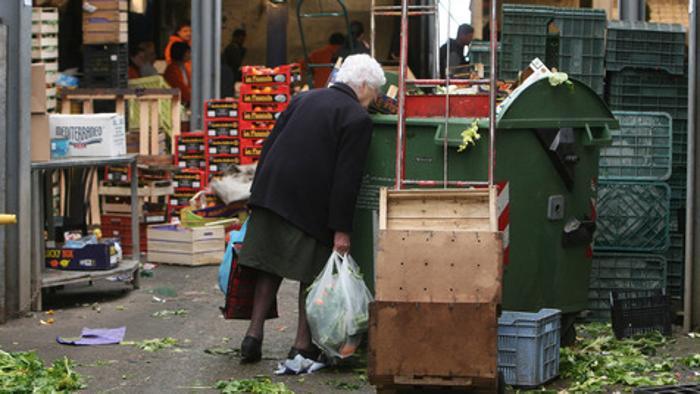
[
  {"x": 44, "y": 14},
  {"x": 44, "y": 53},
  {"x": 45, "y": 27},
  {"x": 51, "y": 78},
  {"x": 51, "y": 66},
  {"x": 44, "y": 40}
]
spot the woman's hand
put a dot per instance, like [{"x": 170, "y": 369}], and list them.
[{"x": 341, "y": 243}]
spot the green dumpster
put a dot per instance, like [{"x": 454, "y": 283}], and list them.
[{"x": 547, "y": 146}]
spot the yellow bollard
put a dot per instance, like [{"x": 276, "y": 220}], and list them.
[{"x": 8, "y": 219}]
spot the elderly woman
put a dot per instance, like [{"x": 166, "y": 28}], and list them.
[{"x": 304, "y": 193}]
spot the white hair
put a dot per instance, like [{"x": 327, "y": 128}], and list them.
[{"x": 361, "y": 69}]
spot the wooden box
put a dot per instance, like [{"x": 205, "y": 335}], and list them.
[
  {"x": 438, "y": 210},
  {"x": 172, "y": 244},
  {"x": 433, "y": 344},
  {"x": 439, "y": 266}
]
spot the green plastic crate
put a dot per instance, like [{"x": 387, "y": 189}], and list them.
[
  {"x": 645, "y": 45},
  {"x": 622, "y": 271},
  {"x": 675, "y": 258},
  {"x": 680, "y": 142},
  {"x": 632, "y": 216},
  {"x": 524, "y": 37},
  {"x": 648, "y": 90},
  {"x": 641, "y": 148},
  {"x": 480, "y": 53}
]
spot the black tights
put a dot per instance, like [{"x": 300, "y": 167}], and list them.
[{"x": 266, "y": 289}]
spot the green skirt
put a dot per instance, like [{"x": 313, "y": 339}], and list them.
[{"x": 274, "y": 245}]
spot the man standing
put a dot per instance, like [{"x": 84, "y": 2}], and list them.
[
  {"x": 325, "y": 55},
  {"x": 234, "y": 54},
  {"x": 465, "y": 35}
]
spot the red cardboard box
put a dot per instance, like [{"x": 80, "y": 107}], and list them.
[
  {"x": 122, "y": 174},
  {"x": 224, "y": 146},
  {"x": 265, "y": 94},
  {"x": 189, "y": 179},
  {"x": 191, "y": 161},
  {"x": 217, "y": 165},
  {"x": 257, "y": 125},
  {"x": 265, "y": 112},
  {"x": 255, "y": 134},
  {"x": 221, "y": 109},
  {"x": 286, "y": 74},
  {"x": 251, "y": 148},
  {"x": 191, "y": 143},
  {"x": 221, "y": 128}
]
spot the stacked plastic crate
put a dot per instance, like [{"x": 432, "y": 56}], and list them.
[
  {"x": 571, "y": 40},
  {"x": 222, "y": 136},
  {"x": 647, "y": 71},
  {"x": 105, "y": 50},
  {"x": 190, "y": 153},
  {"x": 633, "y": 208},
  {"x": 45, "y": 48}
]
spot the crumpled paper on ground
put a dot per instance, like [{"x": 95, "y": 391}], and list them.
[{"x": 297, "y": 366}]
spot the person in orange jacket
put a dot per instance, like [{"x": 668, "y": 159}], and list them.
[
  {"x": 324, "y": 55},
  {"x": 182, "y": 34},
  {"x": 176, "y": 74}
]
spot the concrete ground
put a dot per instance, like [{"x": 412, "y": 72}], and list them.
[{"x": 186, "y": 369}]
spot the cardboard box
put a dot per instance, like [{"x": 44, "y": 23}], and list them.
[
  {"x": 221, "y": 109},
  {"x": 110, "y": 5},
  {"x": 251, "y": 148},
  {"x": 41, "y": 140},
  {"x": 221, "y": 128},
  {"x": 223, "y": 146},
  {"x": 171, "y": 244},
  {"x": 259, "y": 75},
  {"x": 265, "y": 112},
  {"x": 260, "y": 125},
  {"x": 109, "y": 37},
  {"x": 91, "y": 135},
  {"x": 189, "y": 179},
  {"x": 101, "y": 256},
  {"x": 191, "y": 161},
  {"x": 218, "y": 164},
  {"x": 38, "y": 88},
  {"x": 255, "y": 134},
  {"x": 265, "y": 94},
  {"x": 191, "y": 143},
  {"x": 105, "y": 17}
]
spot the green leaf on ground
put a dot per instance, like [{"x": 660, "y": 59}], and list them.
[
  {"x": 258, "y": 385},
  {"x": 153, "y": 345},
  {"x": 221, "y": 351},
  {"x": 24, "y": 372},
  {"x": 168, "y": 313}
]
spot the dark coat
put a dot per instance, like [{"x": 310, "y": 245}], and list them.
[{"x": 311, "y": 166}]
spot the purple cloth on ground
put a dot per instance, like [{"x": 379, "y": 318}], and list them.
[{"x": 96, "y": 336}]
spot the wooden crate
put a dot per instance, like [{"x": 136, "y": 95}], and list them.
[
  {"x": 438, "y": 210},
  {"x": 439, "y": 266},
  {"x": 172, "y": 244},
  {"x": 433, "y": 345}
]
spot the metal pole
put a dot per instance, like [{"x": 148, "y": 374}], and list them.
[
  {"x": 372, "y": 28},
  {"x": 632, "y": 10},
  {"x": 447, "y": 96},
  {"x": 436, "y": 32},
  {"x": 692, "y": 245},
  {"x": 492, "y": 92},
  {"x": 277, "y": 18},
  {"x": 401, "y": 124},
  {"x": 205, "y": 56}
]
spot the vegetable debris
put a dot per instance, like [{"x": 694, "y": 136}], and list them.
[
  {"x": 24, "y": 372},
  {"x": 167, "y": 313},
  {"x": 469, "y": 136},
  {"x": 258, "y": 385},
  {"x": 153, "y": 345}
]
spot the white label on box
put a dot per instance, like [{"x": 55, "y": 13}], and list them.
[
  {"x": 176, "y": 184},
  {"x": 214, "y": 167},
  {"x": 195, "y": 184},
  {"x": 182, "y": 164},
  {"x": 233, "y": 114},
  {"x": 181, "y": 148},
  {"x": 211, "y": 114},
  {"x": 212, "y": 132},
  {"x": 212, "y": 150}
]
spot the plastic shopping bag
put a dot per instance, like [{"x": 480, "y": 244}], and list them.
[
  {"x": 225, "y": 267},
  {"x": 337, "y": 307}
]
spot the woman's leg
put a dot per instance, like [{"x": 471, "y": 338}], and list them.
[
  {"x": 303, "y": 340},
  {"x": 266, "y": 287}
]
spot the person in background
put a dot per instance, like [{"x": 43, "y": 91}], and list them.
[
  {"x": 149, "y": 53},
  {"x": 182, "y": 34},
  {"x": 325, "y": 55},
  {"x": 303, "y": 205},
  {"x": 137, "y": 58},
  {"x": 227, "y": 81},
  {"x": 465, "y": 35},
  {"x": 177, "y": 75},
  {"x": 357, "y": 38},
  {"x": 235, "y": 52}
]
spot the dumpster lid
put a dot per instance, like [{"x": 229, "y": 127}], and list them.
[{"x": 541, "y": 105}]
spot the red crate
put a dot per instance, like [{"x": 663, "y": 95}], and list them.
[
  {"x": 223, "y": 146},
  {"x": 221, "y": 109},
  {"x": 189, "y": 179},
  {"x": 259, "y": 75},
  {"x": 221, "y": 128},
  {"x": 122, "y": 174},
  {"x": 260, "y": 125},
  {"x": 119, "y": 226},
  {"x": 181, "y": 198},
  {"x": 256, "y": 94},
  {"x": 251, "y": 148},
  {"x": 191, "y": 143},
  {"x": 256, "y": 112},
  {"x": 218, "y": 164},
  {"x": 191, "y": 161}
]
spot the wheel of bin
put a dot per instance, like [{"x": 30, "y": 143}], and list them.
[
  {"x": 501, "y": 383},
  {"x": 568, "y": 329}
]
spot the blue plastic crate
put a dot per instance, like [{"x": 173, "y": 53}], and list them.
[
  {"x": 641, "y": 148},
  {"x": 528, "y": 346},
  {"x": 632, "y": 216},
  {"x": 645, "y": 45},
  {"x": 622, "y": 272}
]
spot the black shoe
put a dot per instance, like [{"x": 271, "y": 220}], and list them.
[
  {"x": 251, "y": 350},
  {"x": 313, "y": 354}
]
